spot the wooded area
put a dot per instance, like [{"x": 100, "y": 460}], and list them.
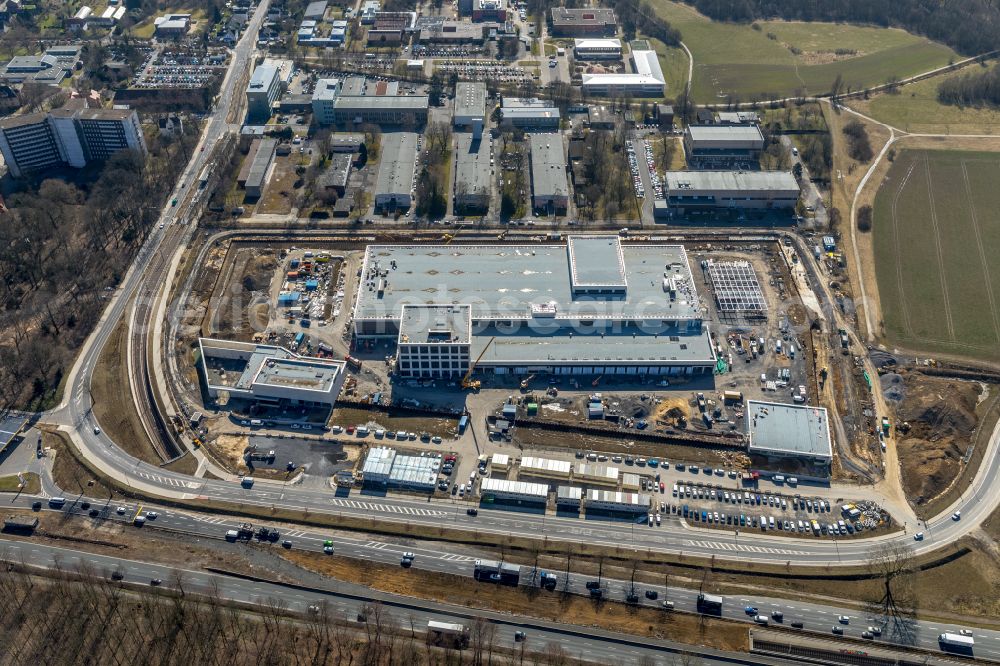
[
  {"x": 65, "y": 241},
  {"x": 970, "y": 26},
  {"x": 981, "y": 88}
]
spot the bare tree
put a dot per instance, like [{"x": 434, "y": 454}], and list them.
[{"x": 892, "y": 564}]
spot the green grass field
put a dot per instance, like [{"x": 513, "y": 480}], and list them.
[
  {"x": 674, "y": 63},
  {"x": 937, "y": 220},
  {"x": 737, "y": 60},
  {"x": 916, "y": 109}
]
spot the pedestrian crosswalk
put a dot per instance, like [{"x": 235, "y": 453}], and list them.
[
  {"x": 170, "y": 481},
  {"x": 744, "y": 548},
  {"x": 385, "y": 508}
]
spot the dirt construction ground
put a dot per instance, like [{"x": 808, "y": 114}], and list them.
[{"x": 936, "y": 421}]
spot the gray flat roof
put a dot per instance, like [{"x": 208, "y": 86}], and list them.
[
  {"x": 725, "y": 133},
  {"x": 731, "y": 181},
  {"x": 398, "y": 163},
  {"x": 470, "y": 99},
  {"x": 436, "y": 324},
  {"x": 522, "y": 282},
  {"x": 525, "y": 103},
  {"x": 316, "y": 9},
  {"x": 596, "y": 261},
  {"x": 261, "y": 162},
  {"x": 472, "y": 166},
  {"x": 626, "y": 344},
  {"x": 400, "y": 102},
  {"x": 338, "y": 172},
  {"x": 548, "y": 166},
  {"x": 534, "y": 112},
  {"x": 788, "y": 429},
  {"x": 327, "y": 89},
  {"x": 262, "y": 76}
]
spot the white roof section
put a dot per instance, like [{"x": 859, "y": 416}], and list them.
[
  {"x": 398, "y": 163},
  {"x": 505, "y": 487},
  {"x": 500, "y": 459},
  {"x": 647, "y": 73},
  {"x": 378, "y": 463},
  {"x": 594, "y": 43},
  {"x": 597, "y": 473},
  {"x": 545, "y": 466}
]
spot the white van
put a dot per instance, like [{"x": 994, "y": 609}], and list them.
[
  {"x": 362, "y": 431},
  {"x": 778, "y": 478},
  {"x": 461, "y": 490},
  {"x": 770, "y": 522},
  {"x": 379, "y": 434}
]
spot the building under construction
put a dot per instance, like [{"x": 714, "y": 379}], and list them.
[{"x": 589, "y": 306}]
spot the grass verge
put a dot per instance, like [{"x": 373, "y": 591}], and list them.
[{"x": 12, "y": 483}]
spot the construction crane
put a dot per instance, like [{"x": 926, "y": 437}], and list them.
[
  {"x": 474, "y": 384},
  {"x": 526, "y": 381},
  {"x": 447, "y": 238},
  {"x": 596, "y": 381},
  {"x": 502, "y": 235}
]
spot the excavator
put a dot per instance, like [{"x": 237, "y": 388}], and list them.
[
  {"x": 596, "y": 381},
  {"x": 526, "y": 381},
  {"x": 474, "y": 384},
  {"x": 447, "y": 238}
]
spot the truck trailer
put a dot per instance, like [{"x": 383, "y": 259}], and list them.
[
  {"x": 497, "y": 572},
  {"x": 956, "y": 643},
  {"x": 447, "y": 634},
  {"x": 710, "y": 604}
]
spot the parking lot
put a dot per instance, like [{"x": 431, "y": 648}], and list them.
[
  {"x": 176, "y": 70},
  {"x": 490, "y": 69}
]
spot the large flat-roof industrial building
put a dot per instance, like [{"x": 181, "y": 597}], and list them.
[
  {"x": 646, "y": 79},
  {"x": 268, "y": 374},
  {"x": 589, "y": 306},
  {"x": 397, "y": 169},
  {"x": 583, "y": 22},
  {"x": 351, "y": 101},
  {"x": 470, "y": 106},
  {"x": 743, "y": 190},
  {"x": 781, "y": 431},
  {"x": 473, "y": 174},
  {"x": 723, "y": 146},
  {"x": 549, "y": 182},
  {"x": 529, "y": 113}
]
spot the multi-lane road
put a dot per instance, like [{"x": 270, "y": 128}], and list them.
[
  {"x": 819, "y": 618},
  {"x": 345, "y": 600}
]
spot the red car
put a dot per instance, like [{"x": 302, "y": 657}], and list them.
[
  {"x": 350, "y": 430},
  {"x": 662, "y": 487},
  {"x": 449, "y": 458}
]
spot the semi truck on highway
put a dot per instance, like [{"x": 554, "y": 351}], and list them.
[
  {"x": 709, "y": 604},
  {"x": 950, "y": 642},
  {"x": 497, "y": 572},
  {"x": 447, "y": 634}
]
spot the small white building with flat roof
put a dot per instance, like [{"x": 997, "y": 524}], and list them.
[{"x": 593, "y": 48}]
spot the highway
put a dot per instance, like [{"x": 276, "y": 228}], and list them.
[
  {"x": 345, "y": 600},
  {"x": 437, "y": 558}
]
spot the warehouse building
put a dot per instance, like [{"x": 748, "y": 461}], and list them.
[
  {"x": 783, "y": 432},
  {"x": 646, "y": 79},
  {"x": 470, "y": 107},
  {"x": 257, "y": 174},
  {"x": 741, "y": 190},
  {"x": 545, "y": 468},
  {"x": 529, "y": 113},
  {"x": 396, "y": 173},
  {"x": 337, "y": 174},
  {"x": 617, "y": 502},
  {"x": 597, "y": 49},
  {"x": 549, "y": 181},
  {"x": 602, "y": 475},
  {"x": 453, "y": 32},
  {"x": 569, "y": 497},
  {"x": 268, "y": 374},
  {"x": 583, "y": 22},
  {"x": 723, "y": 146},
  {"x": 643, "y": 315},
  {"x": 473, "y": 175},
  {"x": 513, "y": 491}
]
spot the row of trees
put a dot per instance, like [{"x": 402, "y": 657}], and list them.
[
  {"x": 969, "y": 26},
  {"x": 974, "y": 89},
  {"x": 859, "y": 146}
]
